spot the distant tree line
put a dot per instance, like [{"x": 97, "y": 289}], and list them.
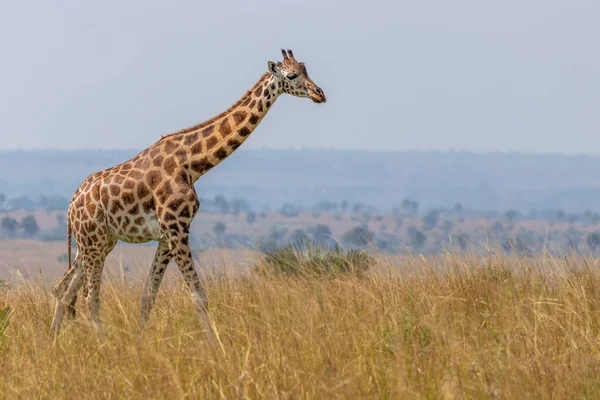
[{"x": 403, "y": 228}]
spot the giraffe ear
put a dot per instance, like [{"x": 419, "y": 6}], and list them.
[{"x": 274, "y": 69}]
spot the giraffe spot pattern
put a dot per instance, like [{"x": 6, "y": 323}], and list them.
[
  {"x": 196, "y": 148},
  {"x": 224, "y": 128},
  {"x": 169, "y": 166},
  {"x": 211, "y": 142},
  {"x": 206, "y": 132},
  {"x": 239, "y": 117},
  {"x": 221, "y": 153},
  {"x": 169, "y": 147},
  {"x": 191, "y": 138}
]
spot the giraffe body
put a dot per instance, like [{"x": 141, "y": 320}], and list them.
[{"x": 152, "y": 196}]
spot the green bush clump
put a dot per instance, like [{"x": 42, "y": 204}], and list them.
[{"x": 306, "y": 258}]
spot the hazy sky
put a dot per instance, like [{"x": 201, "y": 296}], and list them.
[{"x": 519, "y": 75}]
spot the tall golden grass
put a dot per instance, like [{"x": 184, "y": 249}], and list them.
[{"x": 441, "y": 327}]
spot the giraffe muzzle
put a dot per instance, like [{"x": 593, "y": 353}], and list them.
[{"x": 317, "y": 95}]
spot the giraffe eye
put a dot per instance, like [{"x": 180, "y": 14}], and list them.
[{"x": 292, "y": 76}]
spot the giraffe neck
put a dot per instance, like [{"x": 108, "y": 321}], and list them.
[{"x": 202, "y": 147}]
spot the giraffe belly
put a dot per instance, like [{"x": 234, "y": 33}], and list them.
[{"x": 144, "y": 229}]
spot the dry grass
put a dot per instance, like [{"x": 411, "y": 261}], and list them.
[{"x": 447, "y": 327}]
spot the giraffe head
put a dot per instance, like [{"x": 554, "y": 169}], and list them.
[{"x": 294, "y": 79}]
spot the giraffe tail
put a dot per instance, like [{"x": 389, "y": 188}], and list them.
[{"x": 69, "y": 232}]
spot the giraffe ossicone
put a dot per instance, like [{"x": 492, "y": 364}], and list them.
[{"x": 152, "y": 196}]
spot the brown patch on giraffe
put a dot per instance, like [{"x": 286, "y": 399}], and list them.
[
  {"x": 139, "y": 220},
  {"x": 266, "y": 92},
  {"x": 182, "y": 178},
  {"x": 244, "y": 132},
  {"x": 142, "y": 163},
  {"x": 135, "y": 174},
  {"x": 148, "y": 206},
  {"x": 185, "y": 212},
  {"x": 268, "y": 104},
  {"x": 134, "y": 210},
  {"x": 116, "y": 207},
  {"x": 190, "y": 138},
  {"x": 158, "y": 160},
  {"x": 224, "y": 128},
  {"x": 211, "y": 142},
  {"x": 206, "y": 132},
  {"x": 115, "y": 190},
  {"x": 260, "y": 106},
  {"x": 175, "y": 204},
  {"x": 91, "y": 209},
  {"x": 177, "y": 138},
  {"x": 221, "y": 153},
  {"x": 254, "y": 119},
  {"x": 169, "y": 217},
  {"x": 133, "y": 229},
  {"x": 164, "y": 192},
  {"x": 142, "y": 191},
  {"x": 196, "y": 148},
  {"x": 119, "y": 179},
  {"x": 128, "y": 198},
  {"x": 104, "y": 196},
  {"x": 153, "y": 178},
  {"x": 201, "y": 165},
  {"x": 252, "y": 104},
  {"x": 234, "y": 144},
  {"x": 239, "y": 117},
  {"x": 272, "y": 86},
  {"x": 154, "y": 152},
  {"x": 126, "y": 221},
  {"x": 181, "y": 155},
  {"x": 170, "y": 166},
  {"x": 129, "y": 184},
  {"x": 258, "y": 91},
  {"x": 246, "y": 101},
  {"x": 96, "y": 193},
  {"x": 169, "y": 147}
]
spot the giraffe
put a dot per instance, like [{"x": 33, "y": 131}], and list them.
[{"x": 151, "y": 197}]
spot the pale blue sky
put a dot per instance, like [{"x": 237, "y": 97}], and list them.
[{"x": 482, "y": 76}]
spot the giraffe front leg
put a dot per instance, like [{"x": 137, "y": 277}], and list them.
[
  {"x": 159, "y": 266},
  {"x": 180, "y": 249}
]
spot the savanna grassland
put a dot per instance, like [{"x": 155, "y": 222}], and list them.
[{"x": 449, "y": 326}]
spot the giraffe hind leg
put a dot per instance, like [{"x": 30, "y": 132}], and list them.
[
  {"x": 61, "y": 286},
  {"x": 71, "y": 311},
  {"x": 67, "y": 297}
]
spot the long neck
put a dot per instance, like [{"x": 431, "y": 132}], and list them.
[{"x": 207, "y": 144}]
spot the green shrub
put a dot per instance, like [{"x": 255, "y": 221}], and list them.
[{"x": 306, "y": 258}]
